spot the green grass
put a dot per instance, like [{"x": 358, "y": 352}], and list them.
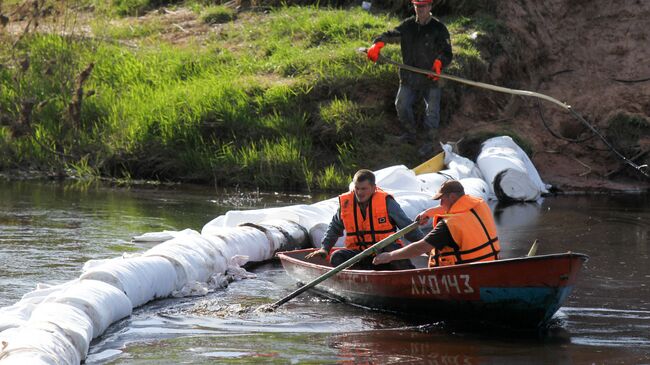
[
  {"x": 277, "y": 100},
  {"x": 135, "y": 7},
  {"x": 217, "y": 14}
]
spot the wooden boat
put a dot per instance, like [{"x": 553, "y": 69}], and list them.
[{"x": 518, "y": 292}]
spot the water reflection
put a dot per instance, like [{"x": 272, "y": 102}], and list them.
[
  {"x": 48, "y": 230},
  {"x": 391, "y": 347}
]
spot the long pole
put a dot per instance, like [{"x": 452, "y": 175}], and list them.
[
  {"x": 374, "y": 249},
  {"x": 641, "y": 169}
]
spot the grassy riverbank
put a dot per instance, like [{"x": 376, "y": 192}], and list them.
[{"x": 274, "y": 99}]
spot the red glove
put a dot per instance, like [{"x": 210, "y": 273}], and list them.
[
  {"x": 373, "y": 51},
  {"x": 437, "y": 68}
]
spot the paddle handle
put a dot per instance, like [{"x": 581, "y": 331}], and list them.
[
  {"x": 363, "y": 254},
  {"x": 533, "y": 249}
]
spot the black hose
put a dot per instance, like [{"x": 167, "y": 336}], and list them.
[{"x": 556, "y": 135}]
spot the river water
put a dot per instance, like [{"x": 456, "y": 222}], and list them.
[{"x": 48, "y": 230}]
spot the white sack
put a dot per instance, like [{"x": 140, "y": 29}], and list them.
[
  {"x": 234, "y": 218},
  {"x": 74, "y": 323},
  {"x": 142, "y": 279},
  {"x": 38, "y": 343},
  {"x": 461, "y": 167},
  {"x": 517, "y": 177},
  {"x": 299, "y": 236},
  {"x": 395, "y": 178},
  {"x": 18, "y": 313},
  {"x": 210, "y": 247},
  {"x": 275, "y": 236},
  {"x": 431, "y": 182},
  {"x": 511, "y": 184},
  {"x": 221, "y": 246},
  {"x": 414, "y": 203},
  {"x": 42, "y": 291},
  {"x": 282, "y": 234},
  {"x": 247, "y": 241},
  {"x": 476, "y": 187},
  {"x": 28, "y": 357},
  {"x": 184, "y": 252},
  {"x": 153, "y": 237},
  {"x": 317, "y": 233},
  {"x": 15, "y": 315},
  {"x": 103, "y": 303},
  {"x": 192, "y": 240},
  {"x": 305, "y": 215}
]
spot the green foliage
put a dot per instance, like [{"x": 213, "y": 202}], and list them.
[
  {"x": 344, "y": 118},
  {"x": 129, "y": 31},
  {"x": 277, "y": 100},
  {"x": 130, "y": 7},
  {"x": 217, "y": 15},
  {"x": 625, "y": 131},
  {"x": 332, "y": 179},
  {"x": 137, "y": 7},
  {"x": 83, "y": 170}
]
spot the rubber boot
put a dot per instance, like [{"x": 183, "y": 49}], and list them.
[{"x": 427, "y": 148}]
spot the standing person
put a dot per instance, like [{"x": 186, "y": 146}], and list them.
[
  {"x": 367, "y": 215},
  {"x": 425, "y": 44},
  {"x": 463, "y": 231}
]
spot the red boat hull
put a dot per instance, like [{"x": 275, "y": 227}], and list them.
[{"x": 521, "y": 292}]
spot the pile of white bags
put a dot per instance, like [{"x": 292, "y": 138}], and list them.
[
  {"x": 37, "y": 343},
  {"x": 141, "y": 278},
  {"x": 282, "y": 234},
  {"x": 508, "y": 171},
  {"x": 102, "y": 302},
  {"x": 54, "y": 325}
]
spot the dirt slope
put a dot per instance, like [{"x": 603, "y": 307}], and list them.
[{"x": 571, "y": 50}]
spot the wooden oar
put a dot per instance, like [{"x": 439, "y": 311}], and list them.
[{"x": 363, "y": 254}]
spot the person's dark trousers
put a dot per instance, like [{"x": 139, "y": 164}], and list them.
[
  {"x": 406, "y": 97},
  {"x": 343, "y": 255}
]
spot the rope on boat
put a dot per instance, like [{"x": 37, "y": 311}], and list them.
[{"x": 642, "y": 169}]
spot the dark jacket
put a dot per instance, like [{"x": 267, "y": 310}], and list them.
[{"x": 421, "y": 45}]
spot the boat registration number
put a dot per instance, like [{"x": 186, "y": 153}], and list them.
[{"x": 439, "y": 284}]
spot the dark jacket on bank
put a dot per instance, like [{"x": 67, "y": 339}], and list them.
[{"x": 421, "y": 45}]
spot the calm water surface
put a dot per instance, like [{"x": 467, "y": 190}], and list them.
[{"x": 48, "y": 230}]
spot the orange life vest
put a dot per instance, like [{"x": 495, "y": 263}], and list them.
[
  {"x": 472, "y": 227},
  {"x": 364, "y": 232}
]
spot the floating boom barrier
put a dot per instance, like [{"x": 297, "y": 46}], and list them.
[{"x": 55, "y": 324}]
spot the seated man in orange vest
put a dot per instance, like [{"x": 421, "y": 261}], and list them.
[
  {"x": 368, "y": 215},
  {"x": 463, "y": 231}
]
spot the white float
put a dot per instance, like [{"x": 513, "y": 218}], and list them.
[
  {"x": 103, "y": 303},
  {"x": 142, "y": 279},
  {"x": 508, "y": 171},
  {"x": 37, "y": 343}
]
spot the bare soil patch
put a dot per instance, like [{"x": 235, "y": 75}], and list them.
[{"x": 584, "y": 53}]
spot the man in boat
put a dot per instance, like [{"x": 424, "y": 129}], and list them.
[
  {"x": 425, "y": 44},
  {"x": 463, "y": 231},
  {"x": 367, "y": 215}
]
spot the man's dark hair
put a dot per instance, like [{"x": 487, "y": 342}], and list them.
[{"x": 364, "y": 175}]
